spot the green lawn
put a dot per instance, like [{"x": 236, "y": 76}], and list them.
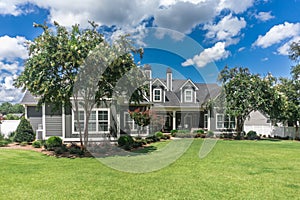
[{"x": 233, "y": 170}]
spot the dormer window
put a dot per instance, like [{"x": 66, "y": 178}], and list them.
[
  {"x": 188, "y": 95},
  {"x": 157, "y": 95}
]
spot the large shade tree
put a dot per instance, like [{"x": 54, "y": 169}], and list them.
[
  {"x": 290, "y": 88},
  {"x": 246, "y": 92},
  {"x": 77, "y": 63}
]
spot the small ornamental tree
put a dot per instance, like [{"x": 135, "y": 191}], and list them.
[{"x": 24, "y": 132}]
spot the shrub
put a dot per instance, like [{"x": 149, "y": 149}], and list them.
[
  {"x": 24, "y": 132},
  {"x": 152, "y": 138},
  {"x": 53, "y": 141},
  {"x": 75, "y": 150},
  {"x": 167, "y": 136},
  {"x": 159, "y": 134},
  {"x": 3, "y": 143},
  {"x": 125, "y": 140},
  {"x": 210, "y": 134},
  {"x": 173, "y": 133},
  {"x": 251, "y": 135},
  {"x": 37, "y": 144},
  {"x": 1, "y": 137},
  {"x": 200, "y": 131},
  {"x": 23, "y": 143}
]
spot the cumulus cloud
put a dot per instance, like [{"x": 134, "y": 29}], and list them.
[
  {"x": 226, "y": 29},
  {"x": 285, "y": 48},
  {"x": 209, "y": 55},
  {"x": 12, "y": 48},
  {"x": 184, "y": 16},
  {"x": 235, "y": 5},
  {"x": 241, "y": 49},
  {"x": 7, "y": 91},
  {"x": 277, "y": 34},
  {"x": 264, "y": 16}
]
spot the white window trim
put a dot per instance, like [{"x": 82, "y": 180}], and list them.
[
  {"x": 97, "y": 121},
  {"x": 185, "y": 95},
  {"x": 229, "y": 122},
  {"x": 134, "y": 125},
  {"x": 160, "y": 92},
  {"x": 205, "y": 116}
]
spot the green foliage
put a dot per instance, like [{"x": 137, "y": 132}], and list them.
[
  {"x": 252, "y": 135},
  {"x": 159, "y": 134},
  {"x": 245, "y": 92},
  {"x": 173, "y": 132},
  {"x": 152, "y": 138},
  {"x": 200, "y": 131},
  {"x": 24, "y": 132},
  {"x": 210, "y": 134},
  {"x": 125, "y": 140},
  {"x": 11, "y": 117},
  {"x": 37, "y": 144},
  {"x": 3, "y": 143},
  {"x": 53, "y": 141},
  {"x": 23, "y": 144},
  {"x": 7, "y": 108}
]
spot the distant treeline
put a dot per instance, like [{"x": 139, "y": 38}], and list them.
[{"x": 8, "y": 108}]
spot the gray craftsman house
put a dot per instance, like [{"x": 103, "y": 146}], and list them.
[{"x": 175, "y": 104}]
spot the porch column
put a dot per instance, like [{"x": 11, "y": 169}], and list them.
[
  {"x": 174, "y": 120},
  {"x": 25, "y": 108},
  {"x": 44, "y": 121},
  {"x": 63, "y": 123},
  {"x": 208, "y": 120}
]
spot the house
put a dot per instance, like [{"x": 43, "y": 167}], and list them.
[{"x": 175, "y": 104}]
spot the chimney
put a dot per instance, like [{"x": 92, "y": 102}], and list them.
[
  {"x": 169, "y": 79},
  {"x": 148, "y": 72}
]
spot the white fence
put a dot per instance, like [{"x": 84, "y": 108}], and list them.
[
  {"x": 8, "y": 126},
  {"x": 284, "y": 131},
  {"x": 271, "y": 130}
]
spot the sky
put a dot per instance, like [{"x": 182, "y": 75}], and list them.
[{"x": 195, "y": 38}]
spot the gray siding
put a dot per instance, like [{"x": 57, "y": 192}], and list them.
[
  {"x": 34, "y": 115},
  {"x": 35, "y": 122},
  {"x": 53, "y": 126}
]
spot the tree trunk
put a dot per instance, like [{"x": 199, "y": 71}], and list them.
[
  {"x": 76, "y": 111},
  {"x": 297, "y": 131},
  {"x": 239, "y": 126}
]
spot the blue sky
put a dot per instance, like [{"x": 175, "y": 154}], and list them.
[{"x": 196, "y": 38}]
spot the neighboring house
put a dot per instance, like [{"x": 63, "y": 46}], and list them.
[
  {"x": 258, "y": 122},
  {"x": 175, "y": 104}
]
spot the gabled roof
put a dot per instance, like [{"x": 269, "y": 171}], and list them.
[
  {"x": 161, "y": 82},
  {"x": 28, "y": 99},
  {"x": 189, "y": 81}
]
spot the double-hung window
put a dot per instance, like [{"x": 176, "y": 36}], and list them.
[
  {"x": 157, "y": 95},
  {"x": 225, "y": 121},
  {"x": 129, "y": 122},
  {"x": 188, "y": 95},
  {"x": 98, "y": 121}
]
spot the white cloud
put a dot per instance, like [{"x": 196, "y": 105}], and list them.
[
  {"x": 236, "y": 6},
  {"x": 264, "y": 16},
  {"x": 278, "y": 34},
  {"x": 241, "y": 49},
  {"x": 209, "y": 55},
  {"x": 226, "y": 29},
  {"x": 10, "y": 67},
  {"x": 12, "y": 48},
  {"x": 284, "y": 49},
  {"x": 184, "y": 16},
  {"x": 265, "y": 59},
  {"x": 7, "y": 91}
]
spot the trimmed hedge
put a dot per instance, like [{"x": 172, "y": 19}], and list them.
[
  {"x": 24, "y": 132},
  {"x": 53, "y": 141}
]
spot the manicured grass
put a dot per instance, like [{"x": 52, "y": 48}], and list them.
[{"x": 233, "y": 170}]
